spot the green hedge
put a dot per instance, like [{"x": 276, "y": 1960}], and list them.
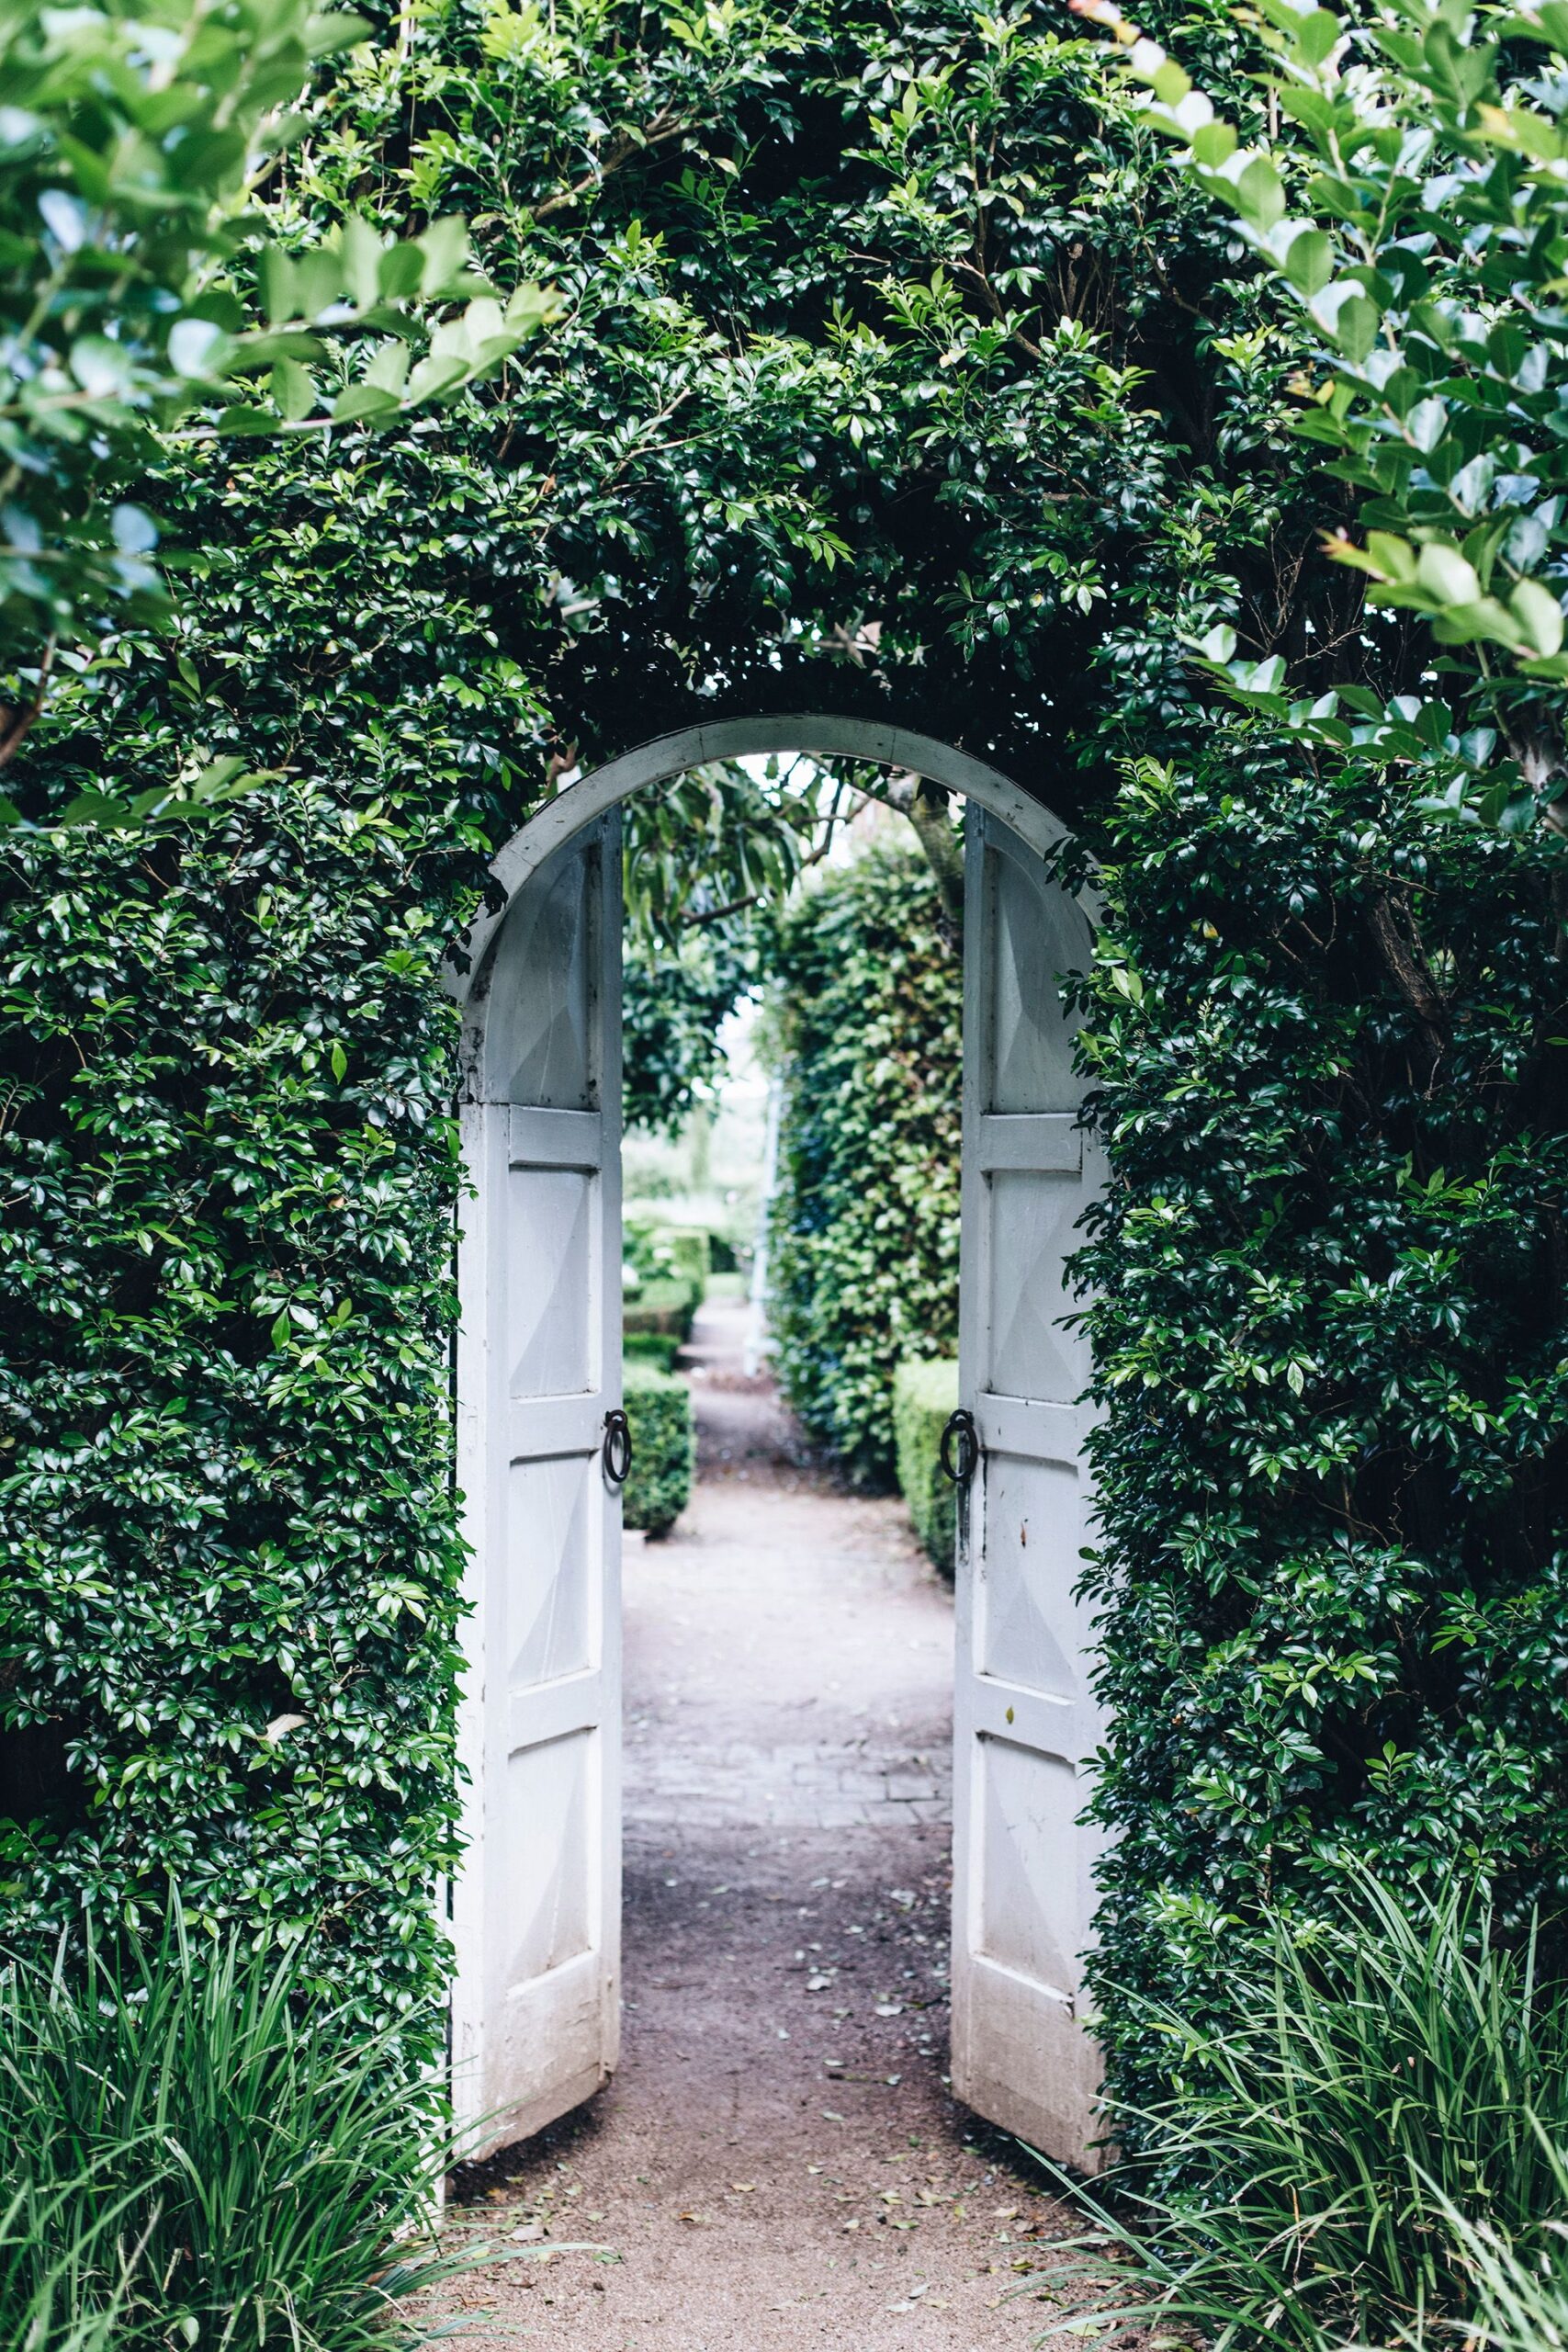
[
  {"x": 924, "y": 1394},
  {"x": 656, "y": 1348},
  {"x": 666, "y": 1309},
  {"x": 659, "y": 1408},
  {"x": 864, "y": 1268},
  {"x": 657, "y": 1251},
  {"x": 1328, "y": 1327},
  {"x": 230, "y": 1566},
  {"x": 671, "y": 1264}
]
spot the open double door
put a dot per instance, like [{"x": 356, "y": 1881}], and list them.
[{"x": 536, "y": 1909}]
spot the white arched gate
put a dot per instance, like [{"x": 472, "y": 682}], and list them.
[{"x": 536, "y": 1912}]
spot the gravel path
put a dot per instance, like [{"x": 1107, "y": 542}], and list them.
[{"x": 778, "y": 2164}]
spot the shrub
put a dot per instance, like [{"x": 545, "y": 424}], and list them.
[
  {"x": 1387, "y": 2081},
  {"x": 198, "y": 1376},
  {"x": 925, "y": 1391},
  {"x": 203, "y": 2157},
  {"x": 662, "y": 1252},
  {"x": 863, "y": 1270},
  {"x": 671, "y": 1266},
  {"x": 659, "y": 1409},
  {"x": 665, "y": 1307},
  {"x": 690, "y": 1254},
  {"x": 656, "y": 1348},
  {"x": 1327, "y": 1323}
]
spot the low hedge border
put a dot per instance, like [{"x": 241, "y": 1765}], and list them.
[
  {"x": 659, "y": 1408},
  {"x": 925, "y": 1390}
]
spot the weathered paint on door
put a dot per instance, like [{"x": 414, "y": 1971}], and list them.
[
  {"x": 1025, "y": 1724},
  {"x": 536, "y": 1907}
]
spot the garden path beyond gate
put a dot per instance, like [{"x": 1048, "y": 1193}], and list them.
[{"x": 536, "y": 1912}]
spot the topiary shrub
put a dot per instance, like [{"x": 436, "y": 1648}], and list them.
[
  {"x": 924, "y": 1393},
  {"x": 659, "y": 1408},
  {"x": 863, "y": 1270}
]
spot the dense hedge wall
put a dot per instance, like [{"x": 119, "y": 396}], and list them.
[
  {"x": 1329, "y": 1338},
  {"x": 864, "y": 1249},
  {"x": 231, "y": 1563}
]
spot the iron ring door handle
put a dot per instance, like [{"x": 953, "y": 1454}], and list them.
[
  {"x": 617, "y": 1448},
  {"x": 959, "y": 1451}
]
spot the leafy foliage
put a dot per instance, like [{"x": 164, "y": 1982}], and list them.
[
  {"x": 226, "y": 1270},
  {"x": 131, "y": 143},
  {"x": 706, "y": 859},
  {"x": 863, "y": 1250},
  {"x": 1426, "y": 143},
  {"x": 673, "y": 1004},
  {"x": 1327, "y": 1335},
  {"x": 659, "y": 1408},
  {"x": 897, "y": 376},
  {"x": 1389, "y": 2097},
  {"x": 924, "y": 1393},
  {"x": 199, "y": 2165}
]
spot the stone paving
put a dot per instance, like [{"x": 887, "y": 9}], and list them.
[{"x": 780, "y": 2163}]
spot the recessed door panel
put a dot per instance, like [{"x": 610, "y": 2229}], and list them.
[
  {"x": 1028, "y": 1628},
  {"x": 1033, "y": 1215},
  {"x": 553, "y": 1274},
  {"x": 551, "y": 1851},
  {"x": 551, "y": 1534}
]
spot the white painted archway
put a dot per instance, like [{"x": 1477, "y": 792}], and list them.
[{"x": 535, "y": 1915}]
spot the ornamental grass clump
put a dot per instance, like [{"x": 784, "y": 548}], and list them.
[
  {"x": 192, "y": 2156},
  {"x": 1330, "y": 2170}
]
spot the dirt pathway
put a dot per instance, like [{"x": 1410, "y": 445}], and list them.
[{"x": 778, "y": 2164}]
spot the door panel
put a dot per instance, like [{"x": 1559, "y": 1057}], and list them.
[
  {"x": 1025, "y": 1726},
  {"x": 536, "y": 1905}
]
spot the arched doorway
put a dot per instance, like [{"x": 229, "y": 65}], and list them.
[{"x": 536, "y": 2010}]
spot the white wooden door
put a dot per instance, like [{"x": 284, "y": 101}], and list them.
[
  {"x": 1025, "y": 1726},
  {"x": 536, "y": 1905}
]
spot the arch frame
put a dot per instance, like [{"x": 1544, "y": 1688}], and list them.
[
  {"x": 578, "y": 804},
  {"x": 1025, "y": 2014}
]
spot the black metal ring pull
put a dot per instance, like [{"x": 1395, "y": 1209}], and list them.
[
  {"x": 617, "y": 1447},
  {"x": 959, "y": 1448}
]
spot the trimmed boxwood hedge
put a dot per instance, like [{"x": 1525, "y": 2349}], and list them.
[
  {"x": 924, "y": 1394},
  {"x": 659, "y": 1408}
]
